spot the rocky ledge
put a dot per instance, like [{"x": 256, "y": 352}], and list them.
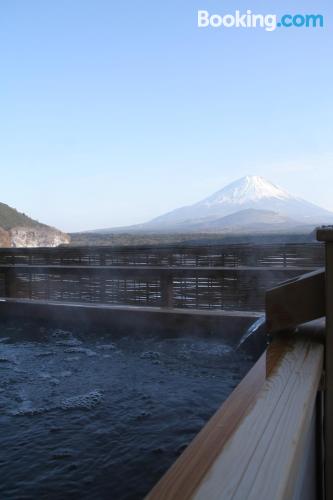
[{"x": 40, "y": 236}]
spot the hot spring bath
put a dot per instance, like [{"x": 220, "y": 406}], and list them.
[{"x": 100, "y": 416}]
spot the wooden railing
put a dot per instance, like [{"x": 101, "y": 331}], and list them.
[{"x": 199, "y": 277}]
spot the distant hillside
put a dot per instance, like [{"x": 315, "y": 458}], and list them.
[
  {"x": 19, "y": 230},
  {"x": 252, "y": 221}
]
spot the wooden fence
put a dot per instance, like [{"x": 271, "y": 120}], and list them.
[
  {"x": 198, "y": 288},
  {"x": 100, "y": 275},
  {"x": 290, "y": 255}
]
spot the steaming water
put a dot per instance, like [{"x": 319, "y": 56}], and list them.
[
  {"x": 98, "y": 417},
  {"x": 252, "y": 330}
]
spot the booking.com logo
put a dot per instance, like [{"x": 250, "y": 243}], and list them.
[{"x": 270, "y": 22}]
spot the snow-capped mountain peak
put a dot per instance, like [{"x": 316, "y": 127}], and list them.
[
  {"x": 251, "y": 188},
  {"x": 248, "y": 193},
  {"x": 251, "y": 203}
]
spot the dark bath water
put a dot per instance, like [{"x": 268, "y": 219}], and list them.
[{"x": 98, "y": 417}]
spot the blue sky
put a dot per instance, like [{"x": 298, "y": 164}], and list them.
[{"x": 113, "y": 112}]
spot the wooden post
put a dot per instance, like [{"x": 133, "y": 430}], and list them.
[
  {"x": 30, "y": 284},
  {"x": 326, "y": 234},
  {"x": 103, "y": 288},
  {"x": 102, "y": 258},
  {"x": 10, "y": 283},
  {"x": 48, "y": 286},
  {"x": 166, "y": 289}
]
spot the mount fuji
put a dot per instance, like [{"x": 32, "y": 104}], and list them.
[{"x": 251, "y": 204}]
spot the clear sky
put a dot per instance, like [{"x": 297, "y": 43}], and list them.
[{"x": 113, "y": 112}]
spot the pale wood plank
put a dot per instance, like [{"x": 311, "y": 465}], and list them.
[{"x": 261, "y": 459}]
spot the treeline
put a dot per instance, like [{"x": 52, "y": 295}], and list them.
[{"x": 132, "y": 239}]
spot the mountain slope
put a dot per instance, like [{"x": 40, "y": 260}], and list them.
[
  {"x": 249, "y": 220},
  {"x": 19, "y": 230}
]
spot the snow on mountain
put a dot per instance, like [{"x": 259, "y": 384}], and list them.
[
  {"x": 248, "y": 193},
  {"x": 248, "y": 189}
]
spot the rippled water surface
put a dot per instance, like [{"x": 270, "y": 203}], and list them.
[{"x": 94, "y": 416}]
